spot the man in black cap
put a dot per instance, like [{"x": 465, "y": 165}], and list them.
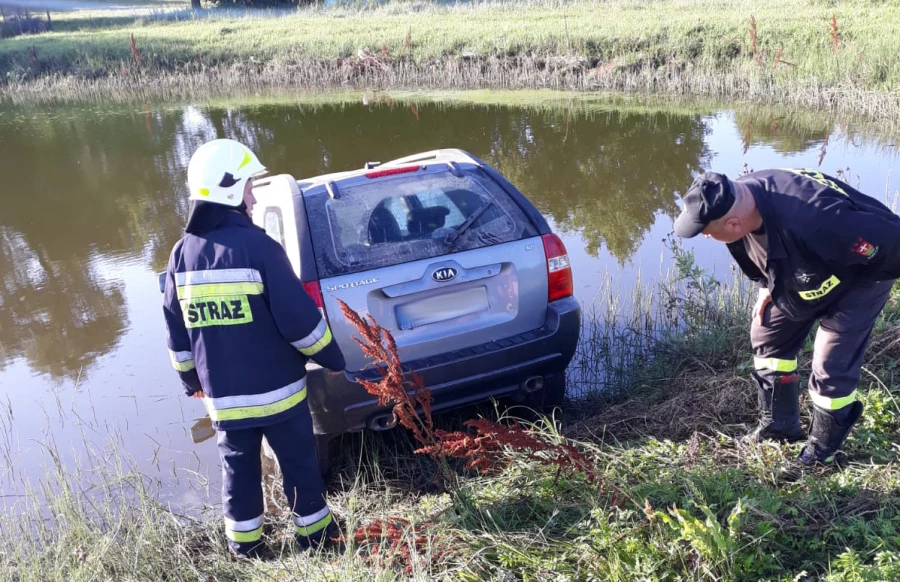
[{"x": 818, "y": 250}]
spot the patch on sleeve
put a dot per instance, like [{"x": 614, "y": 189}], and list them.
[{"x": 864, "y": 248}]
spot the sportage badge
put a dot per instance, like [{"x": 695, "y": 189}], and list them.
[
  {"x": 352, "y": 285},
  {"x": 444, "y": 275}
]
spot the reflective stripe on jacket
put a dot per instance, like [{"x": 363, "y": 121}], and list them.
[
  {"x": 823, "y": 236},
  {"x": 240, "y": 325}
]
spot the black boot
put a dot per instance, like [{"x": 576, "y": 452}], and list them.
[
  {"x": 779, "y": 411},
  {"x": 826, "y": 439},
  {"x": 247, "y": 551},
  {"x": 329, "y": 536}
]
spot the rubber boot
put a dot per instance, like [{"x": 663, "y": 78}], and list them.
[
  {"x": 779, "y": 411},
  {"x": 250, "y": 551},
  {"x": 323, "y": 539},
  {"x": 826, "y": 439}
]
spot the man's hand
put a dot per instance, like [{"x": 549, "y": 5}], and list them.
[
  {"x": 198, "y": 394},
  {"x": 761, "y": 303}
]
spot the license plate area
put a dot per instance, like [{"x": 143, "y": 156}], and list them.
[{"x": 442, "y": 307}]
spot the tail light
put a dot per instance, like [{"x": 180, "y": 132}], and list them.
[
  {"x": 559, "y": 271},
  {"x": 315, "y": 292}
]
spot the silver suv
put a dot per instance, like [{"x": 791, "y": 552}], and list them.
[{"x": 449, "y": 256}]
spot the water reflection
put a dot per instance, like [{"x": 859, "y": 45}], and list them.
[
  {"x": 785, "y": 134},
  {"x": 110, "y": 187},
  {"x": 56, "y": 313},
  {"x": 604, "y": 176},
  {"x": 82, "y": 190}
]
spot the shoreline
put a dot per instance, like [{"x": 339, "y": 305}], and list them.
[{"x": 454, "y": 74}]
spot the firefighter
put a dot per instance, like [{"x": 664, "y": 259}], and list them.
[
  {"x": 818, "y": 250},
  {"x": 240, "y": 328}
]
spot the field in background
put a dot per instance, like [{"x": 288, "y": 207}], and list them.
[{"x": 843, "y": 56}]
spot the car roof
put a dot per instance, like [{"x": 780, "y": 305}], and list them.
[{"x": 440, "y": 156}]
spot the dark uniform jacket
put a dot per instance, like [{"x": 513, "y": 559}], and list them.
[
  {"x": 823, "y": 237},
  {"x": 241, "y": 326}
]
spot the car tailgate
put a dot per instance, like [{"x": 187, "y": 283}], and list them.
[{"x": 445, "y": 303}]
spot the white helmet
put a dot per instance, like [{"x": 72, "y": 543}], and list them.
[{"x": 218, "y": 170}]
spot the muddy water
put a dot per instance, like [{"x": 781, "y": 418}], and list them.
[{"x": 94, "y": 198}]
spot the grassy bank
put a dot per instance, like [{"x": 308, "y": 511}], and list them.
[
  {"x": 676, "y": 497},
  {"x": 754, "y": 49}
]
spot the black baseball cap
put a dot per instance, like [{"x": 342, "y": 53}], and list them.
[{"x": 709, "y": 198}]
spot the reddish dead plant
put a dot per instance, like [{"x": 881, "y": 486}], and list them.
[
  {"x": 747, "y": 137},
  {"x": 752, "y": 36},
  {"x": 835, "y": 38},
  {"x": 394, "y": 542},
  {"x": 407, "y": 395},
  {"x": 484, "y": 450},
  {"x": 823, "y": 150},
  {"x": 134, "y": 52},
  {"x": 407, "y": 43},
  {"x": 779, "y": 59}
]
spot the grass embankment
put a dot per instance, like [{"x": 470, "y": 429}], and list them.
[
  {"x": 677, "y": 498},
  {"x": 758, "y": 49}
]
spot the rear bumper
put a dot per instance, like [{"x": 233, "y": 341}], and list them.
[{"x": 499, "y": 368}]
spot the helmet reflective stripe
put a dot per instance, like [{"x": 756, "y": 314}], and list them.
[{"x": 219, "y": 169}]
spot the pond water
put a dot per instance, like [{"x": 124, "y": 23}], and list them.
[{"x": 95, "y": 197}]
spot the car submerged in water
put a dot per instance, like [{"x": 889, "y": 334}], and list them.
[{"x": 446, "y": 254}]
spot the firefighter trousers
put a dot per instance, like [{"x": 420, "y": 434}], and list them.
[
  {"x": 840, "y": 345},
  {"x": 242, "y": 496}
]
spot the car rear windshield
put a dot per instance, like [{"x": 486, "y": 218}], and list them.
[{"x": 404, "y": 218}]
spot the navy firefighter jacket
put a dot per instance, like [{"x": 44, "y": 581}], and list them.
[
  {"x": 823, "y": 237},
  {"x": 240, "y": 326}
]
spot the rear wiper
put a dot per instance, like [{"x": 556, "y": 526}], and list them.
[{"x": 452, "y": 236}]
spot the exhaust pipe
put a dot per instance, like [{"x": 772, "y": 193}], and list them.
[
  {"x": 533, "y": 384},
  {"x": 383, "y": 422}
]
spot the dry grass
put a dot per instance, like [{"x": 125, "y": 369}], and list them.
[
  {"x": 719, "y": 400},
  {"x": 455, "y": 73}
]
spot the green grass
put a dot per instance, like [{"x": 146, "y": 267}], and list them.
[
  {"x": 684, "y": 46},
  {"x": 678, "y": 498}
]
